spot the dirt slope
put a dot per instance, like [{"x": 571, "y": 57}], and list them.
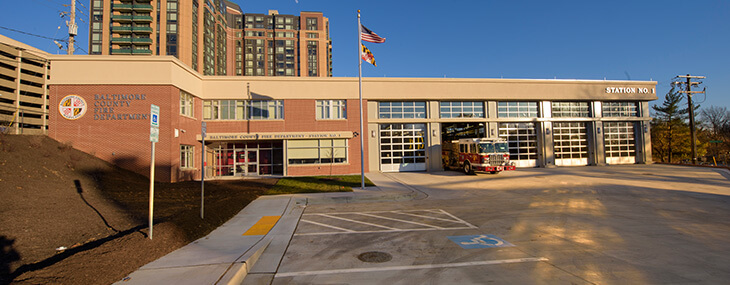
[{"x": 53, "y": 196}]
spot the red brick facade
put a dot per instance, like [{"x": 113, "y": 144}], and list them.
[{"x": 116, "y": 128}]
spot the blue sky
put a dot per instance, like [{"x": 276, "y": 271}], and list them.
[{"x": 615, "y": 40}]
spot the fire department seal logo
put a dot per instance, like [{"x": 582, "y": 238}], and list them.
[{"x": 72, "y": 107}]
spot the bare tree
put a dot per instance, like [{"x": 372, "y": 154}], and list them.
[{"x": 715, "y": 118}]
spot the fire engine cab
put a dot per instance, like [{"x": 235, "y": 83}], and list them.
[{"x": 477, "y": 154}]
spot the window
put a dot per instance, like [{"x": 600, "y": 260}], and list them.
[
  {"x": 317, "y": 151},
  {"x": 517, "y": 110},
  {"x": 186, "y": 104},
  {"x": 243, "y": 110},
  {"x": 331, "y": 109},
  {"x": 312, "y": 58},
  {"x": 312, "y": 24},
  {"x": 620, "y": 109},
  {"x": 462, "y": 109},
  {"x": 186, "y": 156},
  {"x": 312, "y": 35},
  {"x": 571, "y": 110},
  {"x": 402, "y": 110}
]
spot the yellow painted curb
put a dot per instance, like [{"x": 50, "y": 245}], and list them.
[{"x": 263, "y": 226}]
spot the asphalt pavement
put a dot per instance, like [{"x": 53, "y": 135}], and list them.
[{"x": 637, "y": 224}]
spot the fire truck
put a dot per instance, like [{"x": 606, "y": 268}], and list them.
[{"x": 477, "y": 154}]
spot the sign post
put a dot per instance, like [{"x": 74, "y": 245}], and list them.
[
  {"x": 154, "y": 138},
  {"x": 202, "y": 173}
]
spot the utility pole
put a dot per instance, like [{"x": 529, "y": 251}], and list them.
[
  {"x": 689, "y": 93},
  {"x": 72, "y": 28}
]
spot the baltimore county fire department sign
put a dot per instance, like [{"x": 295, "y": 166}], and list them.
[
  {"x": 72, "y": 107},
  {"x": 276, "y": 136}
]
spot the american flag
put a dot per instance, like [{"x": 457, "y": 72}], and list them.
[{"x": 368, "y": 36}]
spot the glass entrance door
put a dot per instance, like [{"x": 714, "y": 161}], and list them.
[{"x": 247, "y": 162}]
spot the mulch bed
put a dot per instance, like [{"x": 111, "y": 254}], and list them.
[{"x": 56, "y": 197}]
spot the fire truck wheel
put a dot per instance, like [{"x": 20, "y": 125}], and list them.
[
  {"x": 467, "y": 169},
  {"x": 494, "y": 172}
]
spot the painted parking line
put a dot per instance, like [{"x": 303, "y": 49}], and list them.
[
  {"x": 410, "y": 267},
  {"x": 263, "y": 226},
  {"x": 380, "y": 222}
]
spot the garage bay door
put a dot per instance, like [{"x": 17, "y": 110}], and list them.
[{"x": 402, "y": 147}]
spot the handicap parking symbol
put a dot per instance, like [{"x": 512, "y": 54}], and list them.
[{"x": 479, "y": 241}]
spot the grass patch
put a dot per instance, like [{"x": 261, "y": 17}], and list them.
[{"x": 317, "y": 184}]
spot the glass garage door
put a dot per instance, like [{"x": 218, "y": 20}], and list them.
[
  {"x": 571, "y": 143},
  {"x": 522, "y": 141},
  {"x": 402, "y": 147},
  {"x": 619, "y": 142}
]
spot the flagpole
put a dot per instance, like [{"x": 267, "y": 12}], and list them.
[{"x": 359, "y": 81}]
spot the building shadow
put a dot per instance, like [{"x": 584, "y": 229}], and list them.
[{"x": 8, "y": 255}]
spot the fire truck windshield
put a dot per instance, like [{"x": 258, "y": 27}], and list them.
[{"x": 493, "y": 147}]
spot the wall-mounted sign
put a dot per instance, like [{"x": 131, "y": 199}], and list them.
[
  {"x": 116, "y": 106},
  {"x": 276, "y": 136},
  {"x": 629, "y": 90},
  {"x": 72, "y": 107}
]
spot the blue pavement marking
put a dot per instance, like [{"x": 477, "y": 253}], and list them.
[{"x": 479, "y": 241}]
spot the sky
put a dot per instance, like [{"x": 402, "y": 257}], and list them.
[{"x": 534, "y": 39}]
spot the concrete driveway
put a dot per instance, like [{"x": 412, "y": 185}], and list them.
[{"x": 632, "y": 224}]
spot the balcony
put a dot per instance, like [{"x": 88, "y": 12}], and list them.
[
  {"x": 122, "y": 51},
  {"x": 141, "y": 51},
  {"x": 122, "y": 7},
  {"x": 122, "y": 29},
  {"x": 121, "y": 40},
  {"x": 142, "y": 8},
  {"x": 131, "y": 51},
  {"x": 141, "y": 41},
  {"x": 122, "y": 18},
  {"x": 141, "y": 30},
  {"x": 142, "y": 19}
]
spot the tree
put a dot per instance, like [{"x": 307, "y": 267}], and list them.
[
  {"x": 715, "y": 117},
  {"x": 670, "y": 132},
  {"x": 717, "y": 120}
]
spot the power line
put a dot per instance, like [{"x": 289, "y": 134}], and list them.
[{"x": 30, "y": 34}]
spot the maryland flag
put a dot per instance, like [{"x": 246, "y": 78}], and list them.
[{"x": 367, "y": 55}]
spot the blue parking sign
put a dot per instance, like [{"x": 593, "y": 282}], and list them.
[
  {"x": 154, "y": 116},
  {"x": 479, "y": 241}
]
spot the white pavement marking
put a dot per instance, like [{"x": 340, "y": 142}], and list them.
[
  {"x": 455, "y": 218},
  {"x": 411, "y": 267},
  {"x": 383, "y": 231},
  {"x": 359, "y": 222},
  {"x": 328, "y": 226},
  {"x": 399, "y": 220},
  {"x": 424, "y": 214},
  {"x": 428, "y": 217}
]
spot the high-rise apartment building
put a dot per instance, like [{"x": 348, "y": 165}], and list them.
[{"x": 213, "y": 37}]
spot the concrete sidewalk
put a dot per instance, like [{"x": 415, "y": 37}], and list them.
[{"x": 226, "y": 256}]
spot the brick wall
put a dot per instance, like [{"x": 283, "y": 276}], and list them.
[{"x": 116, "y": 129}]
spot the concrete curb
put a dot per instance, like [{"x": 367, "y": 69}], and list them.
[
  {"x": 239, "y": 269},
  {"x": 217, "y": 258},
  {"x": 224, "y": 256}
]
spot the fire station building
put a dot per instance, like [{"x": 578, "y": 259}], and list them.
[{"x": 293, "y": 126}]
